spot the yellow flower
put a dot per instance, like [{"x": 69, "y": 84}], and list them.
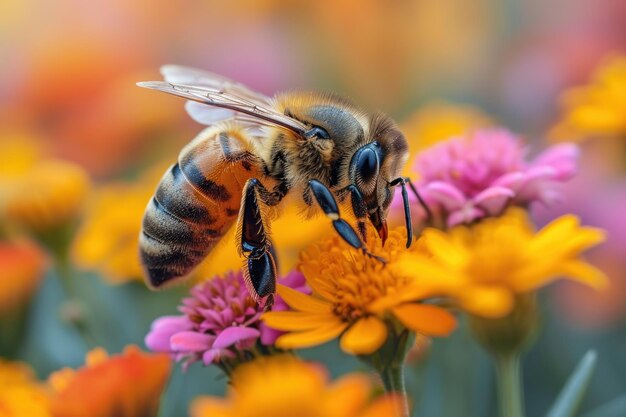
[
  {"x": 283, "y": 386},
  {"x": 36, "y": 191},
  {"x": 597, "y": 109},
  {"x": 125, "y": 385},
  {"x": 356, "y": 297},
  {"x": 20, "y": 393},
  {"x": 108, "y": 238},
  {"x": 485, "y": 266}
]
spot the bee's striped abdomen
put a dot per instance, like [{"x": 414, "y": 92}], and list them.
[{"x": 196, "y": 202}]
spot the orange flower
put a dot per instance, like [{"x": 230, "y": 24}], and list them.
[
  {"x": 20, "y": 393},
  {"x": 283, "y": 386},
  {"x": 22, "y": 264},
  {"x": 355, "y": 297},
  {"x": 125, "y": 385}
]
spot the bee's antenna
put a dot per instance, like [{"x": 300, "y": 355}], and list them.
[
  {"x": 407, "y": 209},
  {"x": 429, "y": 213}
]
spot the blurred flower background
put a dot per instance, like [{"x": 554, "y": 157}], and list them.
[{"x": 82, "y": 148}]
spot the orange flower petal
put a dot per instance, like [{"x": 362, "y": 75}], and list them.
[
  {"x": 312, "y": 337},
  {"x": 210, "y": 407},
  {"x": 295, "y": 320},
  {"x": 389, "y": 405},
  {"x": 302, "y": 302},
  {"x": 365, "y": 336},
  {"x": 348, "y": 395},
  {"x": 425, "y": 319},
  {"x": 410, "y": 293}
]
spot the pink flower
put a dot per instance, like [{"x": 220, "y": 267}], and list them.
[
  {"x": 294, "y": 280},
  {"x": 478, "y": 175},
  {"x": 220, "y": 320}
]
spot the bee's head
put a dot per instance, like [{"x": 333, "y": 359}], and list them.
[{"x": 375, "y": 164}]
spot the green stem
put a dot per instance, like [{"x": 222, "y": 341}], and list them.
[
  {"x": 393, "y": 381},
  {"x": 67, "y": 279},
  {"x": 509, "y": 383}
]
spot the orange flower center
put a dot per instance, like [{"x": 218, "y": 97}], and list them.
[{"x": 350, "y": 279}]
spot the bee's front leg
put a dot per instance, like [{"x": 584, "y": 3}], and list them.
[
  {"x": 359, "y": 208},
  {"x": 327, "y": 203},
  {"x": 260, "y": 268}
]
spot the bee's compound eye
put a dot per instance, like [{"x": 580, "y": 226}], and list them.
[
  {"x": 317, "y": 132},
  {"x": 367, "y": 165}
]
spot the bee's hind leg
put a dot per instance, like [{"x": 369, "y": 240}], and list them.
[
  {"x": 327, "y": 203},
  {"x": 260, "y": 268}
]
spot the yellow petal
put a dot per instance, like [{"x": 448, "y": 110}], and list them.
[
  {"x": 490, "y": 302},
  {"x": 295, "y": 320},
  {"x": 425, "y": 319},
  {"x": 443, "y": 248},
  {"x": 365, "y": 336},
  {"x": 427, "y": 272},
  {"x": 586, "y": 273},
  {"x": 302, "y": 302},
  {"x": 311, "y": 337}
]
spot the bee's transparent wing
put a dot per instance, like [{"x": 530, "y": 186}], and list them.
[
  {"x": 215, "y": 99},
  {"x": 192, "y": 76}
]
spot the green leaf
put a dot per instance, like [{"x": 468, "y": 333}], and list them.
[
  {"x": 574, "y": 390},
  {"x": 614, "y": 408}
]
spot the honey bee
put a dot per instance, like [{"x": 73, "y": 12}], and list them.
[{"x": 319, "y": 147}]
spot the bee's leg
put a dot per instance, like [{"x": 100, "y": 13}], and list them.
[
  {"x": 327, "y": 202},
  {"x": 359, "y": 209},
  {"x": 260, "y": 270}
]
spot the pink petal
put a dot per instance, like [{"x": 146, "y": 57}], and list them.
[
  {"x": 537, "y": 180},
  {"x": 191, "y": 342},
  {"x": 215, "y": 355},
  {"x": 465, "y": 215},
  {"x": 268, "y": 334},
  {"x": 541, "y": 172},
  {"x": 493, "y": 199},
  {"x": 233, "y": 335},
  {"x": 174, "y": 323},
  {"x": 512, "y": 180},
  {"x": 563, "y": 158},
  {"x": 445, "y": 194},
  {"x": 158, "y": 339}
]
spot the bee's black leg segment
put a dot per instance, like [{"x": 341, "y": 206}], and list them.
[
  {"x": 359, "y": 209},
  {"x": 262, "y": 275},
  {"x": 429, "y": 213},
  {"x": 260, "y": 271},
  {"x": 407, "y": 209},
  {"x": 327, "y": 202}
]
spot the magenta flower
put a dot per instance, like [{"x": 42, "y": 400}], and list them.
[
  {"x": 480, "y": 174},
  {"x": 220, "y": 321}
]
